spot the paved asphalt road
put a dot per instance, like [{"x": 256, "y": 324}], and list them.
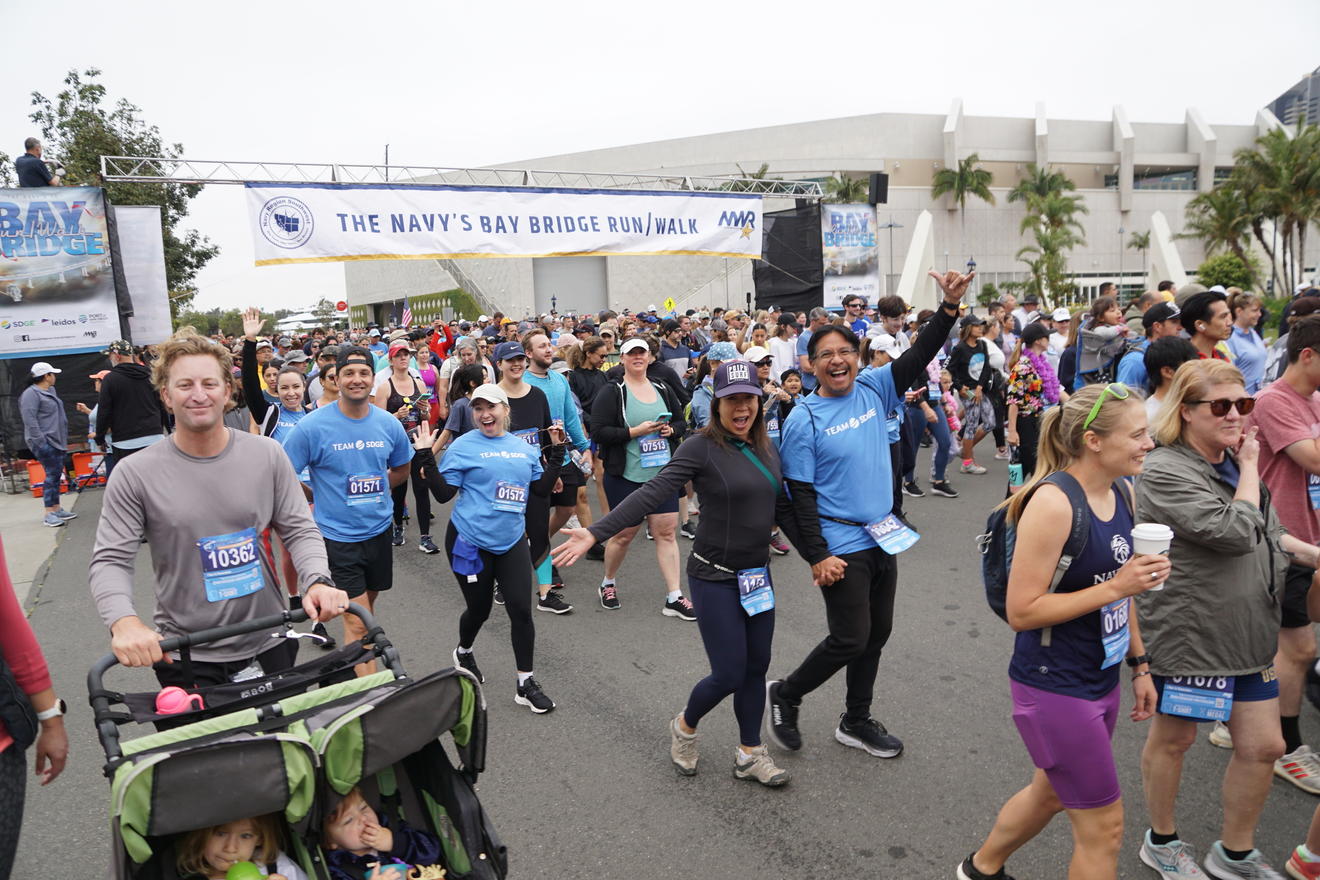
[{"x": 588, "y": 791}]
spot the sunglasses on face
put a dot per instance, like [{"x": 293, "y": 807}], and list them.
[{"x": 1219, "y": 408}]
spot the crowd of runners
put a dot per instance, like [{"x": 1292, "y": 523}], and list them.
[{"x": 564, "y": 438}]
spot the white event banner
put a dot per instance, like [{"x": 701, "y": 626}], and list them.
[
  {"x": 308, "y": 223},
  {"x": 142, "y": 256}
]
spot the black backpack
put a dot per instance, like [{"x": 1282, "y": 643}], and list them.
[{"x": 996, "y": 545}]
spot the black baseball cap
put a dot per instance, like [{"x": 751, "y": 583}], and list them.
[
  {"x": 354, "y": 354},
  {"x": 1159, "y": 312}
]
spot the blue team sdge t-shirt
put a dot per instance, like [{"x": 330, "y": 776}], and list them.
[
  {"x": 349, "y": 462},
  {"x": 494, "y": 477},
  {"x": 841, "y": 445}
]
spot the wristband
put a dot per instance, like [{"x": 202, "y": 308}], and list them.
[
  {"x": 1134, "y": 662},
  {"x": 1137, "y": 675}
]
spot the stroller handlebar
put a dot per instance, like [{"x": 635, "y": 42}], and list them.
[{"x": 106, "y": 725}]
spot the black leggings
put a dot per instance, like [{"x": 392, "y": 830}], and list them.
[
  {"x": 1028, "y": 428},
  {"x": 537, "y": 523},
  {"x": 512, "y": 570},
  {"x": 859, "y": 609},
  {"x": 738, "y": 647},
  {"x": 421, "y": 496},
  {"x": 13, "y": 784}
]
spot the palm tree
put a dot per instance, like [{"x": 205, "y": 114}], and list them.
[
  {"x": 744, "y": 184},
  {"x": 1280, "y": 179},
  {"x": 1055, "y": 211},
  {"x": 1039, "y": 183},
  {"x": 1140, "y": 242},
  {"x": 968, "y": 179},
  {"x": 843, "y": 189},
  {"x": 1221, "y": 220}
]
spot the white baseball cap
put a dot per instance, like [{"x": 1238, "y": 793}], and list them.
[
  {"x": 755, "y": 353},
  {"x": 633, "y": 344},
  {"x": 41, "y": 368},
  {"x": 1061, "y": 314},
  {"x": 491, "y": 393}
]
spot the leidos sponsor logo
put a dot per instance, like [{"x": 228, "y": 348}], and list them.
[{"x": 286, "y": 222}]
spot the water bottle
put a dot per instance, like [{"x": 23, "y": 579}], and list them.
[
  {"x": 581, "y": 462},
  {"x": 1014, "y": 467}
]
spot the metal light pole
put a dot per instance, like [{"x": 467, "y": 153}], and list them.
[
  {"x": 1120, "y": 265},
  {"x": 891, "y": 226},
  {"x": 553, "y": 300},
  {"x": 971, "y": 267}
]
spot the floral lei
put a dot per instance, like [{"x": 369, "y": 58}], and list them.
[{"x": 1047, "y": 375}]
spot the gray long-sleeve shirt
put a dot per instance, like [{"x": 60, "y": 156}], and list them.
[
  {"x": 45, "y": 423},
  {"x": 178, "y": 502}
]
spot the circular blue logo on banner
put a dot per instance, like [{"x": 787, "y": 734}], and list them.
[{"x": 286, "y": 222}]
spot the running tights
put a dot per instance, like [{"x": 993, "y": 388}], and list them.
[
  {"x": 512, "y": 570},
  {"x": 739, "y": 650},
  {"x": 421, "y": 497},
  {"x": 859, "y": 609},
  {"x": 13, "y": 783}
]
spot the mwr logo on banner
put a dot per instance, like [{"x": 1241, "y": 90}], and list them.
[{"x": 303, "y": 223}]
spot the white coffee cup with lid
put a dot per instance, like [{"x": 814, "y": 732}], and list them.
[{"x": 1150, "y": 539}]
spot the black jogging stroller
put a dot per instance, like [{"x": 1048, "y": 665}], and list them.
[{"x": 294, "y": 744}]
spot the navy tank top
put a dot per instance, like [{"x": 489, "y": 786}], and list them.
[{"x": 1075, "y": 663}]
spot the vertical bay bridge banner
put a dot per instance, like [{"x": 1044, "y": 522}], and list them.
[
  {"x": 57, "y": 285},
  {"x": 308, "y": 223},
  {"x": 850, "y": 252}
]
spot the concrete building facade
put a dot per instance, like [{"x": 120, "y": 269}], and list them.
[{"x": 1124, "y": 171}]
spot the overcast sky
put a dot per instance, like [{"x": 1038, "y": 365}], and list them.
[{"x": 477, "y": 83}]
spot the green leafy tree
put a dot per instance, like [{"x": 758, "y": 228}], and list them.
[
  {"x": 989, "y": 293},
  {"x": 1228, "y": 270},
  {"x": 1039, "y": 183},
  {"x": 6, "y": 170},
  {"x": 1279, "y": 178},
  {"x": 1220, "y": 219},
  {"x": 324, "y": 312},
  {"x": 846, "y": 190},
  {"x": 1140, "y": 242},
  {"x": 968, "y": 179},
  {"x": 79, "y": 126},
  {"x": 745, "y": 183},
  {"x": 231, "y": 322}
]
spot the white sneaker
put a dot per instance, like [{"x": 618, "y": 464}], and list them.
[
  {"x": 1253, "y": 867},
  {"x": 972, "y": 468},
  {"x": 1301, "y": 767},
  {"x": 1219, "y": 736},
  {"x": 682, "y": 749},
  {"x": 760, "y": 767},
  {"x": 1174, "y": 861},
  {"x": 1002, "y": 455}
]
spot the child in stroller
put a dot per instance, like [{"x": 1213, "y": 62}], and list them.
[
  {"x": 210, "y": 853},
  {"x": 356, "y": 838}
]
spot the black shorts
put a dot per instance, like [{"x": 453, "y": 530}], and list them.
[
  {"x": 572, "y": 479},
  {"x": 359, "y": 566},
  {"x": 619, "y": 488},
  {"x": 1295, "y": 588}
]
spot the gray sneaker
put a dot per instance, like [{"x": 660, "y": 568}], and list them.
[
  {"x": 53, "y": 520},
  {"x": 1301, "y": 767},
  {"x": 761, "y": 768},
  {"x": 1252, "y": 867},
  {"x": 1174, "y": 861},
  {"x": 682, "y": 749}
]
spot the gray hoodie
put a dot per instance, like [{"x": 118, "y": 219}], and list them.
[{"x": 1219, "y": 612}]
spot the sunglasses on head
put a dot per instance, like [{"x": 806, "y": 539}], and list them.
[
  {"x": 1119, "y": 392},
  {"x": 1219, "y": 408}
]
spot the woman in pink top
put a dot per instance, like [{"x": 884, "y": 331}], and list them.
[{"x": 23, "y": 657}]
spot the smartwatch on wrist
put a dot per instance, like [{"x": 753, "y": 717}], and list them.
[
  {"x": 1134, "y": 662},
  {"x": 60, "y": 709}
]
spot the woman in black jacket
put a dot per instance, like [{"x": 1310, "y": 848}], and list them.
[
  {"x": 969, "y": 364},
  {"x": 735, "y": 466},
  {"x": 636, "y": 424}
]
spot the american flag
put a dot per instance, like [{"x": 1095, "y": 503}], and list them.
[{"x": 406, "y": 319}]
